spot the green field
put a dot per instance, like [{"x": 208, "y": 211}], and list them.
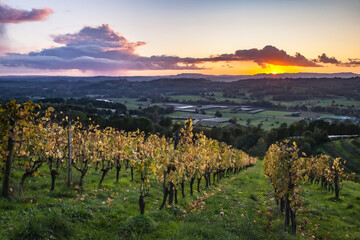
[
  {"x": 218, "y": 96},
  {"x": 186, "y": 97},
  {"x": 337, "y": 101},
  {"x": 241, "y": 206},
  {"x": 268, "y": 119},
  {"x": 340, "y": 102}
]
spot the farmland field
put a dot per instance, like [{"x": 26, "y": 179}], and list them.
[
  {"x": 267, "y": 119},
  {"x": 132, "y": 103}
]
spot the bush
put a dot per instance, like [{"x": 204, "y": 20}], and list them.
[
  {"x": 176, "y": 211},
  {"x": 139, "y": 225},
  {"x": 44, "y": 225}
]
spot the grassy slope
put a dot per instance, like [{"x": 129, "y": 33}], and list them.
[
  {"x": 347, "y": 149},
  {"x": 239, "y": 207}
]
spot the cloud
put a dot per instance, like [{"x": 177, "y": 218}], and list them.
[
  {"x": 325, "y": 59},
  {"x": 272, "y": 55},
  {"x": 101, "y": 49},
  {"x": 2, "y": 30},
  {"x": 12, "y": 15},
  {"x": 354, "y": 61},
  {"x": 268, "y": 55},
  {"x": 3, "y": 47},
  {"x": 93, "y": 48},
  {"x": 101, "y": 36}
]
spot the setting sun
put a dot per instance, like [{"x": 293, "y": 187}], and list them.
[{"x": 274, "y": 69}]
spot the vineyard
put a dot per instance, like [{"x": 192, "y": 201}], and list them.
[
  {"x": 60, "y": 174},
  {"x": 287, "y": 169}
]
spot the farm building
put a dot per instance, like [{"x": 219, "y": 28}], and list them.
[
  {"x": 207, "y": 107},
  {"x": 204, "y": 120},
  {"x": 181, "y": 107},
  {"x": 255, "y": 111},
  {"x": 294, "y": 114}
]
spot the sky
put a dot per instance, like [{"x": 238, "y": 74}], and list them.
[{"x": 162, "y": 37}]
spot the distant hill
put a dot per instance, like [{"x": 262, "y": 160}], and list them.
[
  {"x": 216, "y": 78},
  {"x": 279, "y": 89},
  {"x": 230, "y": 78}
]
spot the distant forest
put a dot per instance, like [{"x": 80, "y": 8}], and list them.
[{"x": 279, "y": 89}]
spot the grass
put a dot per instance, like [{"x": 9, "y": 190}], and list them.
[
  {"x": 241, "y": 206},
  {"x": 331, "y": 218}
]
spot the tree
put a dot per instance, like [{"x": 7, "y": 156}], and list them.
[
  {"x": 165, "y": 122},
  {"x": 13, "y": 118},
  {"x": 143, "y": 160},
  {"x": 36, "y": 146},
  {"x": 218, "y": 114},
  {"x": 271, "y": 137},
  {"x": 285, "y": 170},
  {"x": 84, "y": 143}
]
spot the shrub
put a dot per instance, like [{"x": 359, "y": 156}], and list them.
[
  {"x": 139, "y": 224},
  {"x": 44, "y": 225}
]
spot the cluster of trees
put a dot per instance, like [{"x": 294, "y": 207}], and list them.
[
  {"x": 86, "y": 101},
  {"x": 349, "y": 111},
  {"x": 104, "y": 114},
  {"x": 249, "y": 139},
  {"x": 35, "y": 140},
  {"x": 290, "y": 89},
  {"x": 84, "y": 107},
  {"x": 286, "y": 169},
  {"x": 154, "y": 113}
]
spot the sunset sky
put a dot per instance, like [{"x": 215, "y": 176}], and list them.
[{"x": 160, "y": 37}]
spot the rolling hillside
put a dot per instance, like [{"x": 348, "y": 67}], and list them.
[{"x": 347, "y": 149}]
